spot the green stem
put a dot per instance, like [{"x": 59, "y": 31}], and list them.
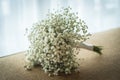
[{"x": 97, "y": 49}]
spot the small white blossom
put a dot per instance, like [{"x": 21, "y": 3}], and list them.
[{"x": 52, "y": 41}]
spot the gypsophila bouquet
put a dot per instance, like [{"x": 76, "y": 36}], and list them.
[{"x": 52, "y": 42}]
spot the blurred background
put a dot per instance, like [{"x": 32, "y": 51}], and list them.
[{"x": 17, "y": 15}]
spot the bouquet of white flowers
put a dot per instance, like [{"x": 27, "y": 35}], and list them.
[{"x": 53, "y": 41}]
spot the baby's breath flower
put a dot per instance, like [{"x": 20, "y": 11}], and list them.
[{"x": 52, "y": 41}]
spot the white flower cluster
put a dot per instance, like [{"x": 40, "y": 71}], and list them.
[{"x": 52, "y": 41}]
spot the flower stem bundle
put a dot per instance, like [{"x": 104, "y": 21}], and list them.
[{"x": 53, "y": 39}]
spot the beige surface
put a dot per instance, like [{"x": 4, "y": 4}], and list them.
[{"x": 93, "y": 66}]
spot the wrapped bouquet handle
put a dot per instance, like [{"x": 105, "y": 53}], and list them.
[{"x": 88, "y": 46}]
